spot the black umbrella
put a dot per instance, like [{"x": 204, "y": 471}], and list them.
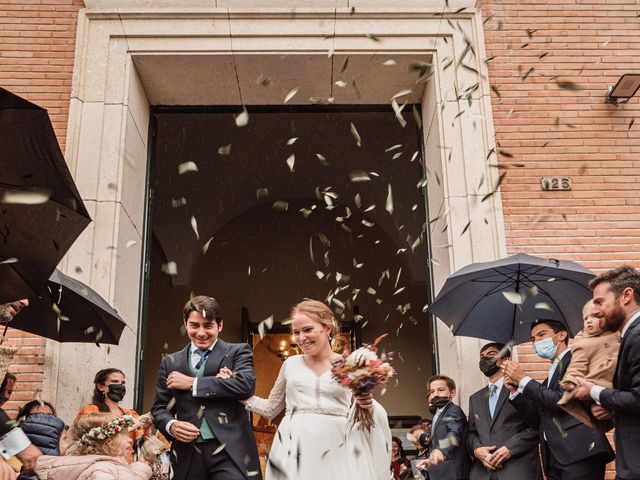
[
  {"x": 41, "y": 213},
  {"x": 499, "y": 300},
  {"x": 70, "y": 311}
]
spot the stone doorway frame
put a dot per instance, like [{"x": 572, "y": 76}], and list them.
[{"x": 107, "y": 145}]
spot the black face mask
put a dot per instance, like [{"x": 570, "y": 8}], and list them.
[
  {"x": 488, "y": 366},
  {"x": 438, "y": 403},
  {"x": 116, "y": 392}
]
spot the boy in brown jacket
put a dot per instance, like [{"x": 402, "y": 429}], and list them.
[{"x": 594, "y": 355}]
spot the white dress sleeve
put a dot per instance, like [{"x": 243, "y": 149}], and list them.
[{"x": 272, "y": 406}]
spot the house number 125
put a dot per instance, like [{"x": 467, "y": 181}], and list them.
[{"x": 556, "y": 183}]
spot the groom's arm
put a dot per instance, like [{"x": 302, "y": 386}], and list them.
[
  {"x": 240, "y": 386},
  {"x": 163, "y": 410}
]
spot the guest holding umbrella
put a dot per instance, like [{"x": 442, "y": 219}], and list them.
[{"x": 109, "y": 391}]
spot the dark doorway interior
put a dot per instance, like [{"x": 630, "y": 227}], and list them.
[{"x": 290, "y": 206}]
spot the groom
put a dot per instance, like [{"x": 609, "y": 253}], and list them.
[{"x": 202, "y": 414}]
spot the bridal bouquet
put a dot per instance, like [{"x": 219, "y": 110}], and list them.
[{"x": 361, "y": 371}]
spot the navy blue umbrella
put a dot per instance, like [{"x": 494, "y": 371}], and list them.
[{"x": 499, "y": 300}]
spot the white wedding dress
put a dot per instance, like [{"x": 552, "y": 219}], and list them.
[{"x": 314, "y": 441}]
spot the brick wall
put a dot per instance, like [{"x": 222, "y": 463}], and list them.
[
  {"x": 37, "y": 43},
  {"x": 552, "y": 131}
]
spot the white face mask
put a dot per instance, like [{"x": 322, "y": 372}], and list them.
[{"x": 545, "y": 348}]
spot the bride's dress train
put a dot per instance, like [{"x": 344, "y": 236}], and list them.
[{"x": 314, "y": 440}]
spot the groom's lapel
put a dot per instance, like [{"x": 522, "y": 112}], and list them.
[
  {"x": 180, "y": 360},
  {"x": 212, "y": 365}
]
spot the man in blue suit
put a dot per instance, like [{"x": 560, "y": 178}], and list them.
[{"x": 616, "y": 299}]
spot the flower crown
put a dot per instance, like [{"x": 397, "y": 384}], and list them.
[{"x": 107, "y": 429}]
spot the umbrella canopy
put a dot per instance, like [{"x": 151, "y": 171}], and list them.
[
  {"x": 41, "y": 213},
  {"x": 499, "y": 300},
  {"x": 70, "y": 312}
]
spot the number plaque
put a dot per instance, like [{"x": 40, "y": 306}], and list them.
[{"x": 556, "y": 183}]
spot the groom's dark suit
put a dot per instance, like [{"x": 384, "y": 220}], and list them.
[{"x": 217, "y": 401}]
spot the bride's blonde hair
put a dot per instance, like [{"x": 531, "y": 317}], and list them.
[{"x": 319, "y": 312}]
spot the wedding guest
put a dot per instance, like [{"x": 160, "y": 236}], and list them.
[
  {"x": 616, "y": 299},
  {"x": 97, "y": 452},
  {"x": 447, "y": 455},
  {"x": 7, "y": 386},
  {"x": 35, "y": 406},
  {"x": 109, "y": 390},
  {"x": 13, "y": 441},
  {"x": 399, "y": 464},
  {"x": 420, "y": 441},
  {"x": 503, "y": 445},
  {"x": 594, "y": 358},
  {"x": 570, "y": 450},
  {"x": 48, "y": 433}
]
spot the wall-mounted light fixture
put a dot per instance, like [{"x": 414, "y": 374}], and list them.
[{"x": 625, "y": 88}]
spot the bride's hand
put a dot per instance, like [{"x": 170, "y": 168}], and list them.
[
  {"x": 224, "y": 373},
  {"x": 365, "y": 401}
]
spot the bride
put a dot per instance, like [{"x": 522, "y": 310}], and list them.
[{"x": 314, "y": 439}]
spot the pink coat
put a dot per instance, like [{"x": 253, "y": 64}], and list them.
[{"x": 90, "y": 467}]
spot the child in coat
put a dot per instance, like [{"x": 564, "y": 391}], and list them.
[
  {"x": 594, "y": 356},
  {"x": 97, "y": 452}
]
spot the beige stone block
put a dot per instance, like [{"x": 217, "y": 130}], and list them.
[
  {"x": 383, "y": 26},
  {"x": 104, "y": 245},
  {"x": 116, "y": 73},
  {"x": 197, "y": 24},
  {"x": 211, "y": 79},
  {"x": 488, "y": 242},
  {"x": 127, "y": 270},
  {"x": 470, "y": 74},
  {"x": 451, "y": 135},
  {"x": 73, "y": 137},
  {"x": 369, "y": 81},
  {"x": 107, "y": 4},
  {"x": 434, "y": 5},
  {"x": 445, "y": 64},
  {"x": 137, "y": 101},
  {"x": 75, "y": 390},
  {"x": 472, "y": 124},
  {"x": 89, "y": 143},
  {"x": 94, "y": 59},
  {"x": 288, "y": 4},
  {"x": 133, "y": 168},
  {"x": 109, "y": 155},
  {"x": 458, "y": 218},
  {"x": 281, "y": 26},
  {"x": 309, "y": 74},
  {"x": 79, "y": 259},
  {"x": 179, "y": 45}
]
